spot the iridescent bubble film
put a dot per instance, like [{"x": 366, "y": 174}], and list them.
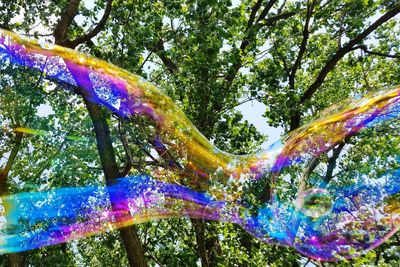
[
  {"x": 333, "y": 185},
  {"x": 315, "y": 202},
  {"x": 52, "y": 217}
]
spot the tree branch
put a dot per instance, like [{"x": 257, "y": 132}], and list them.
[
  {"x": 365, "y": 49},
  {"x": 236, "y": 105},
  {"x": 266, "y": 194},
  {"x": 152, "y": 50},
  {"x": 128, "y": 154},
  {"x": 332, "y": 162},
  {"x": 270, "y": 21},
  {"x": 199, "y": 229},
  {"x": 160, "y": 51},
  {"x": 251, "y": 31},
  {"x": 47, "y": 164},
  {"x": 253, "y": 13},
  {"x": 377, "y": 257},
  {"x": 285, "y": 65},
  {"x": 266, "y": 10},
  {"x": 93, "y": 47},
  {"x": 302, "y": 185},
  {"x": 14, "y": 151},
  {"x": 60, "y": 32},
  {"x": 365, "y": 78},
  {"x": 344, "y": 50},
  {"x": 303, "y": 46},
  {"x": 86, "y": 37},
  {"x": 331, "y": 63}
]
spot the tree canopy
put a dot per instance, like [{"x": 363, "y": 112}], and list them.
[{"x": 295, "y": 57}]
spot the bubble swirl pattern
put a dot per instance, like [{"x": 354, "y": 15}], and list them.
[{"x": 334, "y": 185}]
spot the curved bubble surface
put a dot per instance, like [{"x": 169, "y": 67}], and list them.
[
  {"x": 333, "y": 189},
  {"x": 315, "y": 203}
]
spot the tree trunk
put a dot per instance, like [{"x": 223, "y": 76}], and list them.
[
  {"x": 199, "y": 226},
  {"x": 130, "y": 238},
  {"x": 14, "y": 259}
]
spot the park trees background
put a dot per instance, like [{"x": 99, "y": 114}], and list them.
[{"x": 296, "y": 57}]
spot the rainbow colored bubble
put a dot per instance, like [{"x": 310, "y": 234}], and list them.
[{"x": 334, "y": 183}]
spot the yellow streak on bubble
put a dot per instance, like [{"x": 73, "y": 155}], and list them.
[{"x": 30, "y": 131}]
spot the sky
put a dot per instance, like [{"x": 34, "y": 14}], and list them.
[{"x": 252, "y": 112}]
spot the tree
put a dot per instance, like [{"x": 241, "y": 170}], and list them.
[
  {"x": 111, "y": 170},
  {"x": 210, "y": 56}
]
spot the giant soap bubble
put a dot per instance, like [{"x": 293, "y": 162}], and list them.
[
  {"x": 315, "y": 202},
  {"x": 333, "y": 184}
]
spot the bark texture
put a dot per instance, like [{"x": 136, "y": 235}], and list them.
[
  {"x": 130, "y": 238},
  {"x": 14, "y": 259}
]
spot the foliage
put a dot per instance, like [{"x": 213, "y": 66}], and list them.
[{"x": 209, "y": 56}]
